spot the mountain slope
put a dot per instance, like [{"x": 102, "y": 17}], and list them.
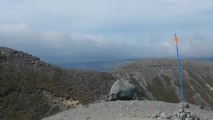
[
  {"x": 158, "y": 79},
  {"x": 32, "y": 89}
]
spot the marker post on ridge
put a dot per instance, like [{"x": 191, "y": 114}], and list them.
[{"x": 179, "y": 70}]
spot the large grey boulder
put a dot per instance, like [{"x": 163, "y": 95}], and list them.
[{"x": 122, "y": 90}]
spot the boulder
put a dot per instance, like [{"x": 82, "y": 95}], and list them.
[{"x": 122, "y": 90}]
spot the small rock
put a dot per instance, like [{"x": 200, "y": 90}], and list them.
[
  {"x": 132, "y": 103},
  {"x": 169, "y": 116},
  {"x": 163, "y": 115},
  {"x": 156, "y": 115},
  {"x": 196, "y": 117},
  {"x": 187, "y": 105},
  {"x": 176, "y": 119},
  {"x": 188, "y": 115},
  {"x": 183, "y": 116},
  {"x": 180, "y": 110},
  {"x": 181, "y": 105},
  {"x": 120, "y": 115},
  {"x": 193, "y": 115},
  {"x": 177, "y": 114},
  {"x": 87, "y": 118},
  {"x": 201, "y": 107},
  {"x": 187, "y": 111},
  {"x": 188, "y": 119}
]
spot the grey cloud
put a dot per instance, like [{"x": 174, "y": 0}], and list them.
[
  {"x": 53, "y": 46},
  {"x": 96, "y": 13},
  {"x": 68, "y": 30},
  {"x": 198, "y": 46},
  {"x": 61, "y": 47}
]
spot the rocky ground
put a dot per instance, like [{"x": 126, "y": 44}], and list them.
[{"x": 134, "y": 110}]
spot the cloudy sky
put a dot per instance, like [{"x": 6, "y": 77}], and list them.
[{"x": 92, "y": 30}]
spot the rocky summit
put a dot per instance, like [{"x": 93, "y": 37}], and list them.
[{"x": 134, "y": 110}]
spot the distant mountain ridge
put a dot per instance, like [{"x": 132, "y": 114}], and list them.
[
  {"x": 202, "y": 59},
  {"x": 107, "y": 66},
  {"x": 101, "y": 66}
]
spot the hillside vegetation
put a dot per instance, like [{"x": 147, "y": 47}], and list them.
[{"x": 32, "y": 89}]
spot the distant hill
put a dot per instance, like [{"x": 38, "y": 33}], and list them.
[
  {"x": 107, "y": 66},
  {"x": 31, "y": 89},
  {"x": 202, "y": 59},
  {"x": 101, "y": 66},
  {"x": 158, "y": 79}
]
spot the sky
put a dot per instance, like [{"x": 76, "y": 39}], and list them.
[{"x": 62, "y": 31}]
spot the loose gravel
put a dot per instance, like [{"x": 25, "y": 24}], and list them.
[{"x": 125, "y": 110}]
